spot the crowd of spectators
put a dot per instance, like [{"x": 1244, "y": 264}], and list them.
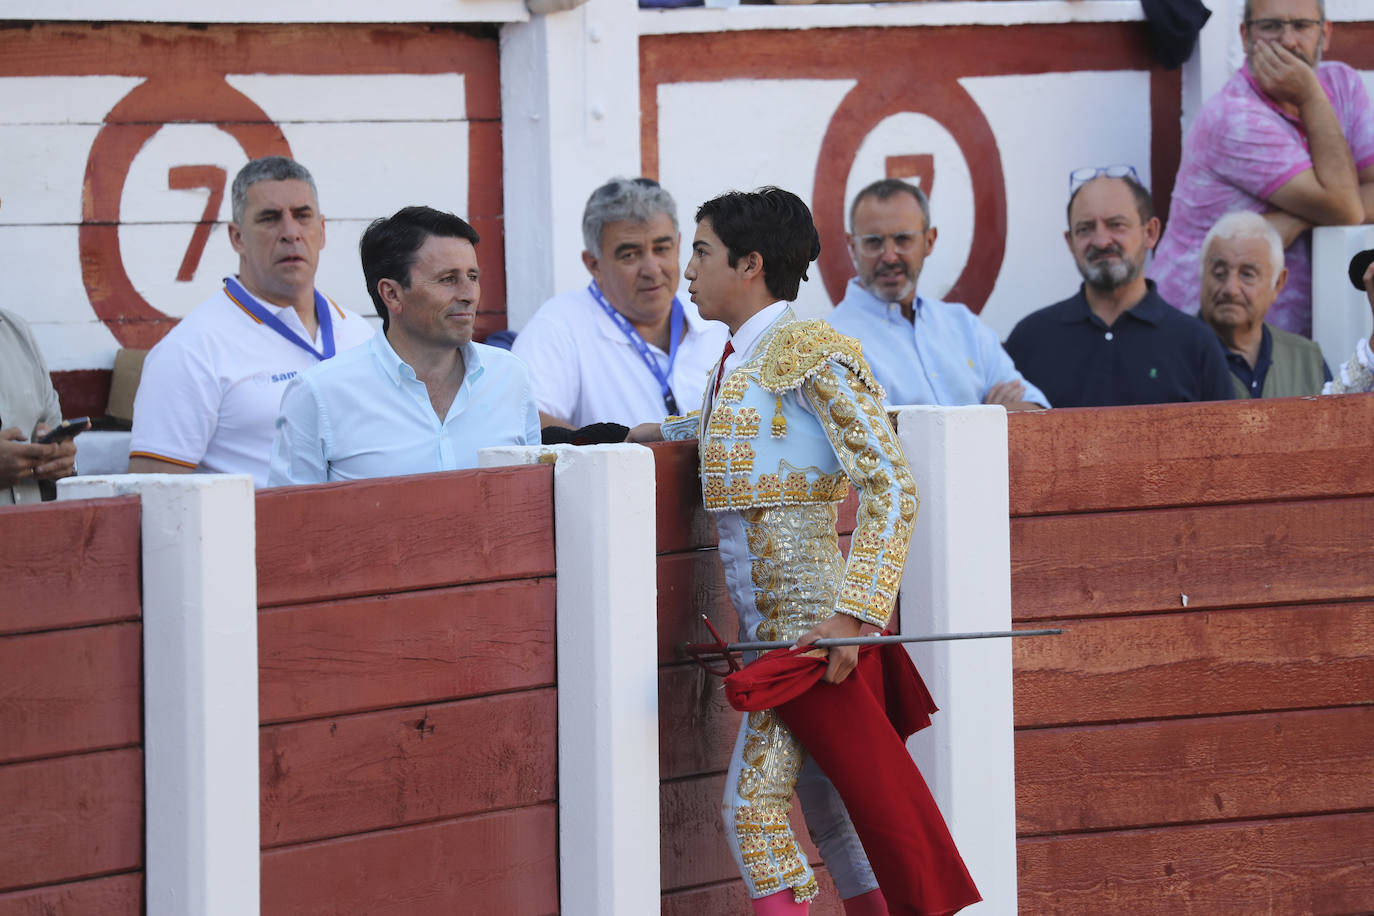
[{"x": 271, "y": 378}]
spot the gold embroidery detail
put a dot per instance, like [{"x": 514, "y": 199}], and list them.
[
  {"x": 733, "y": 388},
  {"x": 713, "y": 457},
  {"x": 826, "y": 384},
  {"x": 856, "y": 437},
  {"x": 801, "y": 349},
  {"x": 841, "y": 411},
  {"x": 868, "y": 461},
  {"x": 722, "y": 418},
  {"x": 747, "y": 423},
  {"x": 769, "y": 488},
  {"x": 779, "y": 421},
  {"x": 741, "y": 458}
]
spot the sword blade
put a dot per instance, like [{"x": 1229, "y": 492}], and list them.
[{"x": 711, "y": 648}]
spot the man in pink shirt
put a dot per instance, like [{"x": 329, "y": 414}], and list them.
[{"x": 1289, "y": 137}]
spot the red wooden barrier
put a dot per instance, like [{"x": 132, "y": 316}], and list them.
[
  {"x": 71, "y": 762},
  {"x": 406, "y": 645},
  {"x": 1197, "y": 742}
]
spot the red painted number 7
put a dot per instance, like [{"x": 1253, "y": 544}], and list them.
[{"x": 189, "y": 177}]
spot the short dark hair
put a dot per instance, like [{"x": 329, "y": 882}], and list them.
[
  {"x": 1143, "y": 202},
  {"x": 773, "y": 222},
  {"x": 268, "y": 168},
  {"x": 887, "y": 188},
  {"x": 390, "y": 245}
]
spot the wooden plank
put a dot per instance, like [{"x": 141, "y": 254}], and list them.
[
  {"x": 503, "y": 863},
  {"x": 1189, "y": 454},
  {"x": 338, "y": 540},
  {"x": 1194, "y": 770},
  {"x": 692, "y": 838},
  {"x": 70, "y": 817},
  {"x": 689, "y": 585},
  {"x": 682, "y": 522},
  {"x": 1219, "y": 556},
  {"x": 696, "y": 726},
  {"x": 1317, "y": 866},
  {"x": 405, "y": 649},
  {"x": 1196, "y": 664},
  {"x": 69, "y": 564},
  {"x": 731, "y": 899},
  {"x": 329, "y": 778},
  {"x": 121, "y": 895},
  {"x": 67, "y": 691}
]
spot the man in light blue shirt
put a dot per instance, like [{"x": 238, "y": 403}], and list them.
[
  {"x": 923, "y": 351},
  {"x": 421, "y": 396}
]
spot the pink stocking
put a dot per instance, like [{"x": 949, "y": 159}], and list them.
[
  {"x": 783, "y": 903},
  {"x": 870, "y": 904}
]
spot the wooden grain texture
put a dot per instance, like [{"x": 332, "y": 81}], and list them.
[
  {"x": 120, "y": 895},
  {"x": 66, "y": 691},
  {"x": 69, "y": 564},
  {"x": 1189, "y": 454},
  {"x": 405, "y": 649},
  {"x": 1316, "y": 866},
  {"x": 83, "y": 392},
  {"x": 692, "y": 834},
  {"x": 729, "y": 898},
  {"x": 1194, "y": 770},
  {"x": 70, "y": 817},
  {"x": 689, "y": 585},
  {"x": 341, "y": 776},
  {"x": 696, "y": 725},
  {"x": 1196, "y": 665},
  {"x": 504, "y": 863},
  {"x": 339, "y": 540},
  {"x": 1218, "y": 556}
]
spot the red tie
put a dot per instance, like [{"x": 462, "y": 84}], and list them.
[{"x": 720, "y": 373}]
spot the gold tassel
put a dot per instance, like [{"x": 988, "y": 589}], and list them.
[{"x": 779, "y": 421}]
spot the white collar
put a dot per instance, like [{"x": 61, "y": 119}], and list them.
[{"x": 747, "y": 337}]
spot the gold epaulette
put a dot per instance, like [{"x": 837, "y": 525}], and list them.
[{"x": 801, "y": 349}]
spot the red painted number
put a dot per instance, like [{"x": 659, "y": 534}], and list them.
[{"x": 188, "y": 177}]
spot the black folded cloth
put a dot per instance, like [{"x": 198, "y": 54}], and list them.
[
  {"x": 1174, "y": 25},
  {"x": 591, "y": 434}
]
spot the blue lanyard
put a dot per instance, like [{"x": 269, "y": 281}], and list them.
[
  {"x": 244, "y": 300},
  {"x": 642, "y": 347}
]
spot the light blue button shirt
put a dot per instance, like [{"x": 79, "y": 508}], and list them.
[
  {"x": 946, "y": 356},
  {"x": 365, "y": 414}
]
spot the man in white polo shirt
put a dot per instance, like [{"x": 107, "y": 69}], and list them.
[
  {"x": 624, "y": 349},
  {"x": 421, "y": 396},
  {"x": 210, "y": 389}
]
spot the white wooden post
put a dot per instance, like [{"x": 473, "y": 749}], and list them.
[
  {"x": 1340, "y": 312},
  {"x": 604, "y": 511},
  {"x": 569, "y": 121},
  {"x": 958, "y": 579},
  {"x": 200, "y": 688}
]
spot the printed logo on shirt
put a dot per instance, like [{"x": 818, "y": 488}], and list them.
[
  {"x": 263, "y": 379},
  {"x": 1154, "y": 373}
]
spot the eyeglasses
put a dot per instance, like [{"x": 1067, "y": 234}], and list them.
[
  {"x": 1273, "y": 28},
  {"x": 902, "y": 243},
  {"x": 1080, "y": 177}
]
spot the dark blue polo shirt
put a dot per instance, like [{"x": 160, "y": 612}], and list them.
[
  {"x": 1253, "y": 379},
  {"x": 1152, "y": 354}
]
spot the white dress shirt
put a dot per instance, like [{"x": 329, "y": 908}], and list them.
[{"x": 365, "y": 414}]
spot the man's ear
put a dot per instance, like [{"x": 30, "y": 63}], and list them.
[
  {"x": 1152, "y": 232},
  {"x": 749, "y": 266},
  {"x": 930, "y": 235},
  {"x": 322, "y": 232},
  {"x": 236, "y": 237},
  {"x": 390, "y": 292},
  {"x": 591, "y": 262},
  {"x": 1279, "y": 281}
]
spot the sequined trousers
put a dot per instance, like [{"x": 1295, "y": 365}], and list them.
[{"x": 784, "y": 570}]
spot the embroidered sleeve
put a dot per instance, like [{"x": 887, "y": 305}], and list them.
[
  {"x": 851, "y": 411},
  {"x": 1356, "y": 375},
  {"x": 679, "y": 429}
]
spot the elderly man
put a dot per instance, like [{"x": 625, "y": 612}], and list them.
[
  {"x": 210, "y": 389},
  {"x": 1289, "y": 137},
  {"x": 421, "y": 396},
  {"x": 28, "y": 408},
  {"x": 1242, "y": 274},
  {"x": 923, "y": 351},
  {"x": 1116, "y": 341},
  {"x": 624, "y": 349},
  {"x": 1357, "y": 374}
]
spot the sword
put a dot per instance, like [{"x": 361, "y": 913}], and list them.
[{"x": 720, "y": 647}]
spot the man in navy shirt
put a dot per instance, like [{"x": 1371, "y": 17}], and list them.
[{"x": 1116, "y": 341}]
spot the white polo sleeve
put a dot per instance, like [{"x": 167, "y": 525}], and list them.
[
  {"x": 549, "y": 351},
  {"x": 176, "y": 409}
]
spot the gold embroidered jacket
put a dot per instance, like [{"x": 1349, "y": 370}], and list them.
[{"x": 795, "y": 424}]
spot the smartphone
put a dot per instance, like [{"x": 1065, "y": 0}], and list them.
[{"x": 65, "y": 430}]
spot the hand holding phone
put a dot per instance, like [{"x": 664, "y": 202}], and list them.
[{"x": 65, "y": 430}]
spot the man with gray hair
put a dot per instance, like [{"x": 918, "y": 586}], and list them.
[
  {"x": 1242, "y": 275},
  {"x": 624, "y": 349},
  {"x": 211, "y": 388}
]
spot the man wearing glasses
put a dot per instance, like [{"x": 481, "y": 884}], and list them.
[
  {"x": 1116, "y": 341},
  {"x": 1288, "y": 137},
  {"x": 923, "y": 351}
]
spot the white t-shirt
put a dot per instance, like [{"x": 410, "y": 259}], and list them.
[
  {"x": 211, "y": 388},
  {"x": 585, "y": 370}
]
